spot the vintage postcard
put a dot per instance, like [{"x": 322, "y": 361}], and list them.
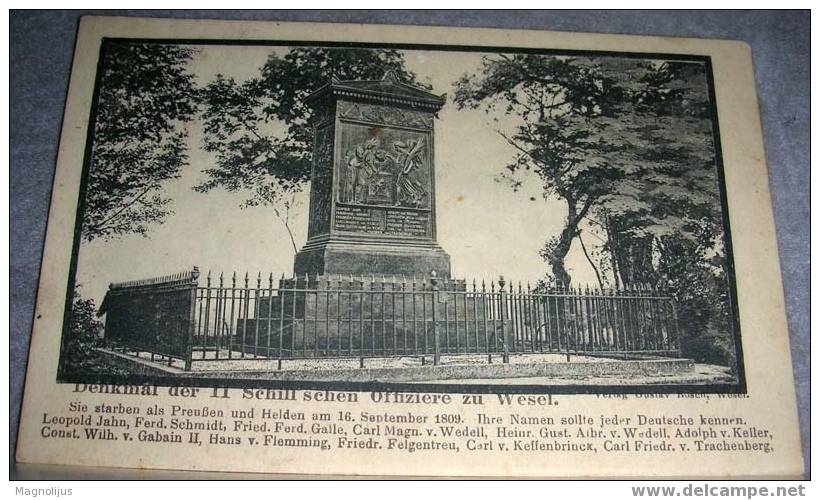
[{"x": 339, "y": 249}]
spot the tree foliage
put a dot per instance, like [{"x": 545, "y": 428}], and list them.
[
  {"x": 568, "y": 132},
  {"x": 627, "y": 145},
  {"x": 666, "y": 228},
  {"x": 258, "y": 129},
  {"x": 145, "y": 96},
  {"x": 84, "y": 337}
]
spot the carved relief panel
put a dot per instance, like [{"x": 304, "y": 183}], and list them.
[
  {"x": 384, "y": 181},
  {"x": 386, "y": 115}
]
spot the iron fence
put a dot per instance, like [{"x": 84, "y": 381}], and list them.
[
  {"x": 154, "y": 315},
  {"x": 367, "y": 317},
  {"x": 370, "y": 317}
]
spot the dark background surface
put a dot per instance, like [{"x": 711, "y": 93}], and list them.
[{"x": 42, "y": 43}]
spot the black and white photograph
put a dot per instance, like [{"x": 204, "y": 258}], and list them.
[
  {"x": 382, "y": 250},
  {"x": 444, "y": 216}
]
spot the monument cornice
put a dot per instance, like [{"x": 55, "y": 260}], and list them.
[{"x": 389, "y": 90}]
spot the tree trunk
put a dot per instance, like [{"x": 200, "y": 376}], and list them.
[
  {"x": 631, "y": 257},
  {"x": 556, "y": 254},
  {"x": 591, "y": 262},
  {"x": 556, "y": 257}
]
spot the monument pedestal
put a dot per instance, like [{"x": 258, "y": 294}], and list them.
[
  {"x": 372, "y": 258},
  {"x": 369, "y": 316}
]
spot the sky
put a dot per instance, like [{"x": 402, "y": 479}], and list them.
[{"x": 487, "y": 229}]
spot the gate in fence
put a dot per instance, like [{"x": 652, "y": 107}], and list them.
[{"x": 370, "y": 317}]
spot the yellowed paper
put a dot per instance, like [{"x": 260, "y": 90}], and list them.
[{"x": 606, "y": 375}]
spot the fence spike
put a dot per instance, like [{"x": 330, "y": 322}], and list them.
[
  {"x": 270, "y": 280},
  {"x": 221, "y": 279},
  {"x": 209, "y": 278}
]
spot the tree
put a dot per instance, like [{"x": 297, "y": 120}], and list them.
[
  {"x": 145, "y": 96},
  {"x": 82, "y": 339},
  {"x": 567, "y": 129},
  {"x": 627, "y": 145},
  {"x": 258, "y": 130},
  {"x": 673, "y": 192},
  {"x": 666, "y": 228}
]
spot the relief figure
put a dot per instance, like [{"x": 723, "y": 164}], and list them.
[
  {"x": 408, "y": 157},
  {"x": 363, "y": 163},
  {"x": 376, "y": 176}
]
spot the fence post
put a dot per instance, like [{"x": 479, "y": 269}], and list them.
[
  {"x": 678, "y": 348},
  {"x": 436, "y": 349},
  {"x": 567, "y": 311},
  {"x": 506, "y": 355},
  {"x": 189, "y": 349}
]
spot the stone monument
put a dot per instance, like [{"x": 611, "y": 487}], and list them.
[{"x": 372, "y": 196}]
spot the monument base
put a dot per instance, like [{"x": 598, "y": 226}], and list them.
[{"x": 371, "y": 259}]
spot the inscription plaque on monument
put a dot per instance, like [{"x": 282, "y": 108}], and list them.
[{"x": 372, "y": 199}]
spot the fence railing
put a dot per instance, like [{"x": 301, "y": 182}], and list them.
[
  {"x": 154, "y": 315},
  {"x": 368, "y": 317}
]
